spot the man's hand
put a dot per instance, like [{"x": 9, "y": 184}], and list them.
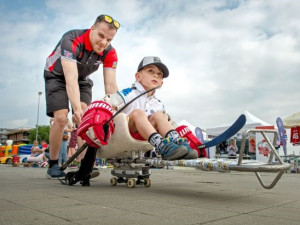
[
  {"x": 115, "y": 100},
  {"x": 76, "y": 118}
]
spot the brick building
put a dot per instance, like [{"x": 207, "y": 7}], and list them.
[{"x": 18, "y": 135}]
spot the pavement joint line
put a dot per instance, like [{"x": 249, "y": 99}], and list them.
[
  {"x": 43, "y": 212},
  {"x": 240, "y": 214}
]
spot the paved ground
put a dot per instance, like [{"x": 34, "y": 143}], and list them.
[{"x": 179, "y": 196}]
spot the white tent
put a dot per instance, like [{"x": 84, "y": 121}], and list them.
[
  {"x": 252, "y": 122},
  {"x": 293, "y": 120}
]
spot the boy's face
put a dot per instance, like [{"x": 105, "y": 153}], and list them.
[{"x": 150, "y": 76}]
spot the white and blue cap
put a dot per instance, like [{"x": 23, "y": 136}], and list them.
[{"x": 153, "y": 60}]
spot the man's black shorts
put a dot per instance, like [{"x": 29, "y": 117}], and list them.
[{"x": 56, "y": 93}]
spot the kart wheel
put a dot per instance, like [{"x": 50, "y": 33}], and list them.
[
  {"x": 131, "y": 183},
  {"x": 113, "y": 181},
  {"x": 147, "y": 182}
]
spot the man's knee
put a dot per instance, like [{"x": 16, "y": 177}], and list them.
[{"x": 60, "y": 120}]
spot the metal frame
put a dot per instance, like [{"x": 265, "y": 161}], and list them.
[{"x": 257, "y": 167}]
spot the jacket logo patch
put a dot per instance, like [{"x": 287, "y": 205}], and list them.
[{"x": 68, "y": 54}]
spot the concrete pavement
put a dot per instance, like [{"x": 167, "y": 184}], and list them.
[{"x": 179, "y": 196}]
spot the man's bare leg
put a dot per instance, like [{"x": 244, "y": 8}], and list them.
[{"x": 56, "y": 132}]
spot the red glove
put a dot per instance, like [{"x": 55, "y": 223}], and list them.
[
  {"x": 91, "y": 126},
  {"x": 193, "y": 141}
]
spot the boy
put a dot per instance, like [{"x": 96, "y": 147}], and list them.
[{"x": 147, "y": 117}]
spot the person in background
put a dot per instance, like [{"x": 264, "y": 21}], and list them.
[
  {"x": 37, "y": 153},
  {"x": 232, "y": 149},
  {"x": 223, "y": 147},
  {"x": 72, "y": 147},
  {"x": 63, "y": 153}
]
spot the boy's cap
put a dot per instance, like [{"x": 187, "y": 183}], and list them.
[{"x": 153, "y": 60}]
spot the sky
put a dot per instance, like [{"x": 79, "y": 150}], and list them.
[{"x": 224, "y": 57}]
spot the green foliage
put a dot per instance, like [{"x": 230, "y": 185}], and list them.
[{"x": 43, "y": 134}]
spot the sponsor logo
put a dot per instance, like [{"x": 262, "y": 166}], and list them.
[
  {"x": 184, "y": 131},
  {"x": 114, "y": 65},
  {"x": 295, "y": 136},
  {"x": 100, "y": 104},
  {"x": 68, "y": 54}
]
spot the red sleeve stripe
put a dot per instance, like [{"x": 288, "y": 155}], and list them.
[{"x": 77, "y": 41}]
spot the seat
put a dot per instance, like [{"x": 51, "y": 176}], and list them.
[{"x": 121, "y": 144}]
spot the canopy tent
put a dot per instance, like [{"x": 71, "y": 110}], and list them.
[
  {"x": 293, "y": 120},
  {"x": 252, "y": 122}
]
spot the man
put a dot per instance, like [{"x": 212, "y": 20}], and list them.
[{"x": 77, "y": 55}]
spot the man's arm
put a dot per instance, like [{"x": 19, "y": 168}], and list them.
[
  {"x": 72, "y": 87},
  {"x": 110, "y": 82}
]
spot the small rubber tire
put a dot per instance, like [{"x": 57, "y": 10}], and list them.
[
  {"x": 113, "y": 181},
  {"x": 131, "y": 183},
  {"x": 147, "y": 182}
]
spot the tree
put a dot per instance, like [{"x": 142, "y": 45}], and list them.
[{"x": 42, "y": 135}]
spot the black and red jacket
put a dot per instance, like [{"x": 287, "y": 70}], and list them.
[{"x": 75, "y": 46}]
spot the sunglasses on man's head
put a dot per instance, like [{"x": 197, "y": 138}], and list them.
[{"x": 109, "y": 19}]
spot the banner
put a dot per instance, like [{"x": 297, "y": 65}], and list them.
[
  {"x": 282, "y": 134},
  {"x": 199, "y": 134}
]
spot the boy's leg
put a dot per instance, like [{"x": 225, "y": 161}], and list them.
[
  {"x": 166, "y": 147},
  {"x": 160, "y": 120},
  {"x": 138, "y": 122},
  {"x": 191, "y": 153}
]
